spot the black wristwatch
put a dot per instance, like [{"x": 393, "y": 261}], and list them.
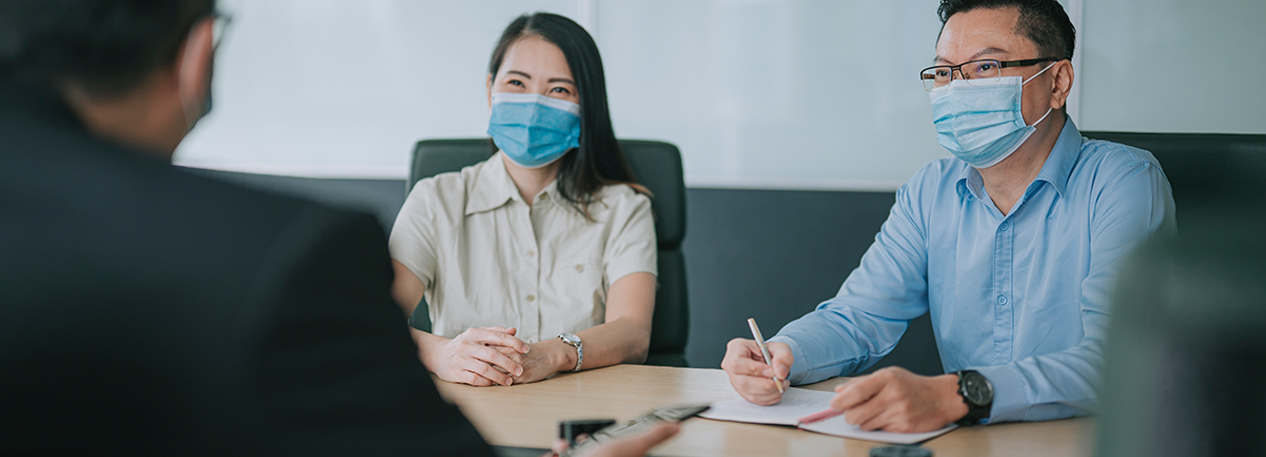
[{"x": 977, "y": 393}]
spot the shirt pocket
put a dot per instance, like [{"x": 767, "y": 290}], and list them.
[
  {"x": 578, "y": 274},
  {"x": 579, "y": 284}
]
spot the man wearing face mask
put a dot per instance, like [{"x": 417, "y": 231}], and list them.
[
  {"x": 148, "y": 310},
  {"x": 1012, "y": 245}
]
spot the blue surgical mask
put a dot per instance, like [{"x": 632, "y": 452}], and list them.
[
  {"x": 980, "y": 121},
  {"x": 533, "y": 130}
]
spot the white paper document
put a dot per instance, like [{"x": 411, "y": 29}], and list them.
[{"x": 797, "y": 403}]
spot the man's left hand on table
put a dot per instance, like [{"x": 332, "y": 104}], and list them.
[{"x": 896, "y": 400}]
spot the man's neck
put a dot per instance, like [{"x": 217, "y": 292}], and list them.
[
  {"x": 1007, "y": 181},
  {"x": 134, "y": 120}
]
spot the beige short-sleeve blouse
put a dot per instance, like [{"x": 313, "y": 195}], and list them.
[{"x": 488, "y": 259}]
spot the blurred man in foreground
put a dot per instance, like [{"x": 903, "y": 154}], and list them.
[{"x": 145, "y": 309}]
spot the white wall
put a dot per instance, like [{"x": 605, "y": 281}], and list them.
[
  {"x": 1175, "y": 65},
  {"x": 345, "y": 87},
  {"x": 775, "y": 93},
  {"x": 756, "y": 93}
]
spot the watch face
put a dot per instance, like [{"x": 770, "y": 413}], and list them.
[{"x": 977, "y": 389}]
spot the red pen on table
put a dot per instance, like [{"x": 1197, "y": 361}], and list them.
[{"x": 820, "y": 416}]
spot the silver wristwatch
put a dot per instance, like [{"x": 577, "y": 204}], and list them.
[{"x": 572, "y": 339}]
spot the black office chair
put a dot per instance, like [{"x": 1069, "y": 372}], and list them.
[
  {"x": 1199, "y": 165},
  {"x": 656, "y": 165}
]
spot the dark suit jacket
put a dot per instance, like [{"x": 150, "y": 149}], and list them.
[{"x": 145, "y": 310}]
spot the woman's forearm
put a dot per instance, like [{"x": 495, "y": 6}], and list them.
[
  {"x": 612, "y": 343},
  {"x": 406, "y": 288},
  {"x": 626, "y": 335},
  {"x": 426, "y": 342}
]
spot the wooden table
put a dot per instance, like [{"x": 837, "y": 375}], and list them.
[{"x": 527, "y": 416}]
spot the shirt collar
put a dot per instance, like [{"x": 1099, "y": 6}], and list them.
[
  {"x": 493, "y": 187},
  {"x": 1058, "y": 167}
]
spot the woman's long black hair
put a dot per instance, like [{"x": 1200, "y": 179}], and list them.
[{"x": 598, "y": 161}]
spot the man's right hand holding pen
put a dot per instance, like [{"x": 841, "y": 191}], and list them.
[{"x": 751, "y": 377}]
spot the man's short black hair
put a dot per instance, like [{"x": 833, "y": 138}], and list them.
[
  {"x": 1043, "y": 21},
  {"x": 107, "y": 47}
]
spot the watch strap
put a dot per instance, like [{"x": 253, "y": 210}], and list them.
[{"x": 578, "y": 344}]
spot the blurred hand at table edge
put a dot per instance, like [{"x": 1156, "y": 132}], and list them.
[{"x": 633, "y": 446}]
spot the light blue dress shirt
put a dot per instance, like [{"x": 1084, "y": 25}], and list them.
[{"x": 1021, "y": 298}]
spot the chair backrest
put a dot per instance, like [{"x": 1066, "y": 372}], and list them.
[
  {"x": 1199, "y": 165},
  {"x": 656, "y": 165}
]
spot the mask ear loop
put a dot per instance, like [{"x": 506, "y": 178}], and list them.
[
  {"x": 1039, "y": 120},
  {"x": 1048, "y": 67},
  {"x": 1048, "y": 110}
]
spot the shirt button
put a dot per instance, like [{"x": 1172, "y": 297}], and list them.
[
  {"x": 580, "y": 268},
  {"x": 1002, "y": 299},
  {"x": 531, "y": 253},
  {"x": 1004, "y": 226},
  {"x": 544, "y": 197},
  {"x": 531, "y": 297}
]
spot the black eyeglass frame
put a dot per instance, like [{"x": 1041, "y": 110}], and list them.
[
  {"x": 219, "y": 28},
  {"x": 1001, "y": 64}
]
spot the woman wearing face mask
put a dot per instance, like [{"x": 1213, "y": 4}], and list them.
[{"x": 542, "y": 258}]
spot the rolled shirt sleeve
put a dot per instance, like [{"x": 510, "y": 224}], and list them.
[
  {"x": 413, "y": 240},
  {"x": 631, "y": 244}
]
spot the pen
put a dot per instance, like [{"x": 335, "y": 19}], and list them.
[
  {"x": 820, "y": 416},
  {"x": 764, "y": 351}
]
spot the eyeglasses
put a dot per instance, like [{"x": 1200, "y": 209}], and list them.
[
  {"x": 941, "y": 75},
  {"x": 219, "y": 28}
]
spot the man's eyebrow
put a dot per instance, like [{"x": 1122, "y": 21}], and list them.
[{"x": 991, "y": 50}]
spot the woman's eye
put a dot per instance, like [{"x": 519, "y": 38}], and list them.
[
  {"x": 560, "y": 90},
  {"x": 515, "y": 82}
]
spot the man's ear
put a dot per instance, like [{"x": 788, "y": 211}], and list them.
[
  {"x": 193, "y": 67},
  {"x": 1063, "y": 74}
]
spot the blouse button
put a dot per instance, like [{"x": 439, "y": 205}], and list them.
[
  {"x": 580, "y": 268},
  {"x": 531, "y": 298}
]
